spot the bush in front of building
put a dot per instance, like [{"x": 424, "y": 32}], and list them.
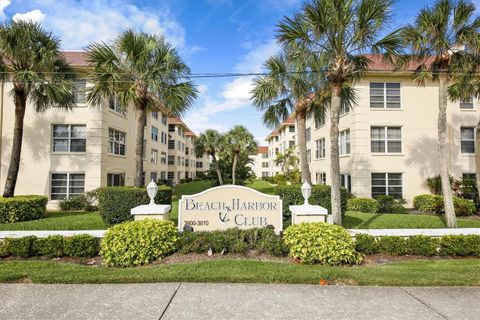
[
  {"x": 136, "y": 243},
  {"x": 392, "y": 245},
  {"x": 366, "y": 205},
  {"x": 22, "y": 208},
  {"x": 4, "y": 249},
  {"x": 366, "y": 244},
  {"x": 81, "y": 245},
  {"x": 260, "y": 240},
  {"x": 390, "y": 204},
  {"x": 51, "y": 246},
  {"x": 292, "y": 195},
  {"x": 85, "y": 202},
  {"x": 431, "y": 203},
  {"x": 22, "y": 247},
  {"x": 423, "y": 245},
  {"x": 115, "y": 203},
  {"x": 322, "y": 243},
  {"x": 460, "y": 245}
]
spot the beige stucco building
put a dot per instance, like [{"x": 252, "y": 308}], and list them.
[
  {"x": 279, "y": 140},
  {"x": 69, "y": 152},
  {"x": 260, "y": 162},
  {"x": 388, "y": 140}
]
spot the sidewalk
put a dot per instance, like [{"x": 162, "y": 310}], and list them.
[{"x": 235, "y": 301}]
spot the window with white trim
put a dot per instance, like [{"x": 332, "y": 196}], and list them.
[
  {"x": 66, "y": 185},
  {"x": 155, "y": 115},
  {"x": 154, "y": 156},
  {"x": 385, "y": 95},
  {"x": 466, "y": 104},
  {"x": 291, "y": 128},
  {"x": 163, "y": 157},
  {"x": 320, "y": 120},
  {"x": 320, "y": 149},
  {"x": 321, "y": 178},
  {"x": 116, "y": 142},
  {"x": 467, "y": 136},
  {"x": 115, "y": 105},
  {"x": 390, "y": 184},
  {"x": 115, "y": 179},
  {"x": 69, "y": 138},
  {"x": 153, "y": 176},
  {"x": 308, "y": 134},
  {"x": 346, "y": 181},
  {"x": 264, "y": 164},
  {"x": 344, "y": 142},
  {"x": 154, "y": 133},
  {"x": 80, "y": 91},
  {"x": 309, "y": 155},
  {"x": 386, "y": 139}
]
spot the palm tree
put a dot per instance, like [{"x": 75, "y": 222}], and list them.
[
  {"x": 287, "y": 160},
  {"x": 286, "y": 89},
  {"x": 436, "y": 40},
  {"x": 210, "y": 142},
  {"x": 143, "y": 70},
  {"x": 340, "y": 32},
  {"x": 31, "y": 60},
  {"x": 239, "y": 141}
]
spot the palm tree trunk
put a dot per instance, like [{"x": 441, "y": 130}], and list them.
[
  {"x": 20, "y": 107},
  {"x": 217, "y": 168},
  {"x": 477, "y": 159},
  {"x": 335, "y": 199},
  {"x": 234, "y": 167},
  {"x": 140, "y": 133},
  {"x": 301, "y": 117},
  {"x": 443, "y": 152}
]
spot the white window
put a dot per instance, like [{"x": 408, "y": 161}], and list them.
[
  {"x": 154, "y": 133},
  {"x": 163, "y": 157},
  {"x": 344, "y": 109},
  {"x": 308, "y": 134},
  {"x": 264, "y": 164},
  {"x": 115, "y": 105},
  {"x": 320, "y": 150},
  {"x": 80, "y": 91},
  {"x": 467, "y": 139},
  {"x": 291, "y": 129},
  {"x": 264, "y": 174},
  {"x": 153, "y": 176},
  {"x": 466, "y": 103},
  {"x": 154, "y": 156},
  {"x": 69, "y": 138},
  {"x": 116, "y": 142},
  {"x": 320, "y": 120},
  {"x": 385, "y": 95},
  {"x": 164, "y": 120},
  {"x": 346, "y": 181},
  {"x": 291, "y": 143},
  {"x": 66, "y": 185},
  {"x": 321, "y": 178},
  {"x": 155, "y": 115},
  {"x": 199, "y": 164},
  {"x": 264, "y": 155},
  {"x": 171, "y": 160},
  {"x": 171, "y": 175},
  {"x": 344, "y": 142},
  {"x": 386, "y": 139},
  {"x": 309, "y": 155},
  {"x": 115, "y": 179},
  {"x": 390, "y": 184}
]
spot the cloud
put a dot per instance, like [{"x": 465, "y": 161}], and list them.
[
  {"x": 3, "y": 5},
  {"x": 34, "y": 15}
]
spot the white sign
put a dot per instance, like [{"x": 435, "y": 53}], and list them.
[{"x": 230, "y": 206}]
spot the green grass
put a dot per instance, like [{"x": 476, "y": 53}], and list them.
[
  {"x": 359, "y": 220},
  {"x": 459, "y": 272},
  {"x": 60, "y": 221}
]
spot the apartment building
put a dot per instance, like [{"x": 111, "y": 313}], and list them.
[
  {"x": 388, "y": 140},
  {"x": 66, "y": 153},
  {"x": 279, "y": 140},
  {"x": 260, "y": 164}
]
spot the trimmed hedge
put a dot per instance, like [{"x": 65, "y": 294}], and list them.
[
  {"x": 292, "y": 195},
  {"x": 115, "y": 203},
  {"x": 322, "y": 243},
  {"x": 81, "y": 245},
  {"x": 138, "y": 242},
  {"x": 51, "y": 246},
  {"x": 22, "y": 208},
  {"x": 233, "y": 240},
  {"x": 456, "y": 245},
  {"x": 366, "y": 205},
  {"x": 22, "y": 247},
  {"x": 390, "y": 204},
  {"x": 432, "y": 203}
]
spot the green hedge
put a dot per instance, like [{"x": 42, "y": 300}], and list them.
[
  {"x": 82, "y": 245},
  {"x": 135, "y": 243},
  {"x": 232, "y": 240},
  {"x": 432, "y": 203},
  {"x": 390, "y": 204},
  {"x": 457, "y": 245},
  {"x": 321, "y": 243},
  {"x": 292, "y": 195},
  {"x": 115, "y": 203},
  {"x": 22, "y": 208},
  {"x": 366, "y": 205}
]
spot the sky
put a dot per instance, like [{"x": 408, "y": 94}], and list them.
[{"x": 212, "y": 36}]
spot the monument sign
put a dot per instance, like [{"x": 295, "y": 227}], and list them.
[{"x": 230, "y": 206}]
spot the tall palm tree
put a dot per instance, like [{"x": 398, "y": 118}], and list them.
[
  {"x": 287, "y": 88},
  {"x": 31, "y": 60},
  {"x": 210, "y": 142},
  {"x": 239, "y": 141},
  {"x": 143, "y": 70},
  {"x": 436, "y": 40},
  {"x": 341, "y": 32}
]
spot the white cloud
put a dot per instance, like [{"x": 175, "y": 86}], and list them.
[
  {"x": 3, "y": 5},
  {"x": 238, "y": 89},
  {"x": 34, "y": 15}
]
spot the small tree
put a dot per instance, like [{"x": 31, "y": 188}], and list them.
[
  {"x": 211, "y": 143},
  {"x": 287, "y": 160},
  {"x": 239, "y": 141},
  {"x": 30, "y": 59}
]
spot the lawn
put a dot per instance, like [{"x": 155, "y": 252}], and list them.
[
  {"x": 458, "y": 272},
  {"x": 60, "y": 221}
]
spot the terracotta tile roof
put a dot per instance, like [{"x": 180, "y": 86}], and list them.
[
  {"x": 263, "y": 149},
  {"x": 272, "y": 134},
  {"x": 76, "y": 58},
  {"x": 190, "y": 134},
  {"x": 377, "y": 63}
]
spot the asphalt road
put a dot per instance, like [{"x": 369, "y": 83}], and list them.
[{"x": 235, "y": 301}]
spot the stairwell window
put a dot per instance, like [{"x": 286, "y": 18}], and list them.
[
  {"x": 66, "y": 185},
  {"x": 344, "y": 142},
  {"x": 320, "y": 149},
  {"x": 116, "y": 142},
  {"x": 385, "y": 95},
  {"x": 386, "y": 139},
  {"x": 69, "y": 138},
  {"x": 467, "y": 136}
]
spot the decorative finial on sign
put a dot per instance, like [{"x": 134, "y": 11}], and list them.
[{"x": 306, "y": 192}]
